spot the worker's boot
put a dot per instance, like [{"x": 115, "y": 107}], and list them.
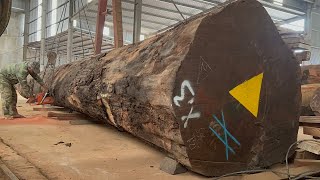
[
  {"x": 8, "y": 117},
  {"x": 6, "y": 112},
  {"x": 15, "y": 113}
]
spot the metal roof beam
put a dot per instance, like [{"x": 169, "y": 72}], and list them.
[
  {"x": 287, "y": 21},
  {"x": 271, "y": 5},
  {"x": 183, "y": 4},
  {"x": 158, "y": 8},
  {"x": 91, "y": 19},
  {"x": 156, "y": 15},
  {"x": 212, "y": 2},
  {"x": 144, "y": 20}
]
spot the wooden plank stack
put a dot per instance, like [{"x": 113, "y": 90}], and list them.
[
  {"x": 296, "y": 41},
  {"x": 311, "y": 126}
]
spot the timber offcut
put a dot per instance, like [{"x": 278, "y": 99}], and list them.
[{"x": 220, "y": 92}]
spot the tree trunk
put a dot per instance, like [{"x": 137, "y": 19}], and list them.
[{"x": 179, "y": 90}]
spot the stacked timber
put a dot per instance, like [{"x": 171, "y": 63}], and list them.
[
  {"x": 311, "y": 126},
  {"x": 220, "y": 92},
  {"x": 310, "y": 90},
  {"x": 297, "y": 43}
]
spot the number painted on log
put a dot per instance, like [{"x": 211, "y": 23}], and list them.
[
  {"x": 185, "y": 84},
  {"x": 192, "y": 115}
]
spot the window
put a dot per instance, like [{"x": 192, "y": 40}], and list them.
[
  {"x": 278, "y": 2},
  {"x": 106, "y": 31},
  {"x": 142, "y": 37},
  {"x": 296, "y": 25},
  {"x": 74, "y": 23}
]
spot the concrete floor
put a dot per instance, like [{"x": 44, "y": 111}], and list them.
[{"x": 97, "y": 151}]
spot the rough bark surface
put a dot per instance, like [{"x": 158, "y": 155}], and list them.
[
  {"x": 166, "y": 90},
  {"x": 310, "y": 74},
  {"x": 310, "y": 105}
]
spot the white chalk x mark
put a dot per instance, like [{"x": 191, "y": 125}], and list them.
[{"x": 191, "y": 115}]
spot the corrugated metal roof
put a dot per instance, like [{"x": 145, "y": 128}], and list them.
[{"x": 159, "y": 14}]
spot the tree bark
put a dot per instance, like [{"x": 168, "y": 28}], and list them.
[
  {"x": 310, "y": 74},
  {"x": 174, "y": 90}
]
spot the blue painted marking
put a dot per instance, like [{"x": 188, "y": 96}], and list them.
[
  {"x": 222, "y": 140},
  {"x": 230, "y": 135},
  {"x": 226, "y": 134}
]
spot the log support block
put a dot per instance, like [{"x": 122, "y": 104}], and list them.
[
  {"x": 49, "y": 109},
  {"x": 80, "y": 122},
  {"x": 171, "y": 166}
]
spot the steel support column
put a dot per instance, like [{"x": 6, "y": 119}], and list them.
[
  {"x": 137, "y": 20},
  {"x": 70, "y": 32},
  {"x": 117, "y": 23},
  {"x": 102, "y": 12},
  {"x": 43, "y": 33},
  {"x": 307, "y": 24},
  {"x": 26, "y": 29}
]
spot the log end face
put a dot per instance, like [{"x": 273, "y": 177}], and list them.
[{"x": 237, "y": 93}]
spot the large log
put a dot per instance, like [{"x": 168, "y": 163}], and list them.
[{"x": 221, "y": 92}]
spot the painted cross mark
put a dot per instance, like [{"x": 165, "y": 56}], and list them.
[
  {"x": 227, "y": 134},
  {"x": 191, "y": 115},
  {"x": 204, "y": 69}
]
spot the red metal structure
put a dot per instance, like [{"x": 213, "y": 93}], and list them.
[
  {"x": 117, "y": 23},
  {"x": 102, "y": 12}
]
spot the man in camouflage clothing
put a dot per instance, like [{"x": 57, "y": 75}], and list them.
[{"x": 11, "y": 75}]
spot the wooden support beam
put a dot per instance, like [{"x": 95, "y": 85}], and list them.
[
  {"x": 54, "y": 114},
  {"x": 117, "y": 23},
  {"x": 312, "y": 131},
  {"x": 310, "y": 119},
  {"x": 49, "y": 109},
  {"x": 307, "y": 162},
  {"x": 102, "y": 8}
]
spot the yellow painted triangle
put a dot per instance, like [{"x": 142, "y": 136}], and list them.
[{"x": 248, "y": 93}]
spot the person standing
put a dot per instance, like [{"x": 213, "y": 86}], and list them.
[{"x": 10, "y": 76}]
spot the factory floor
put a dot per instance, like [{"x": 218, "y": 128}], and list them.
[
  {"x": 27, "y": 147},
  {"x": 30, "y": 148}
]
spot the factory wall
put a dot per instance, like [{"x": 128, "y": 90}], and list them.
[{"x": 11, "y": 42}]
